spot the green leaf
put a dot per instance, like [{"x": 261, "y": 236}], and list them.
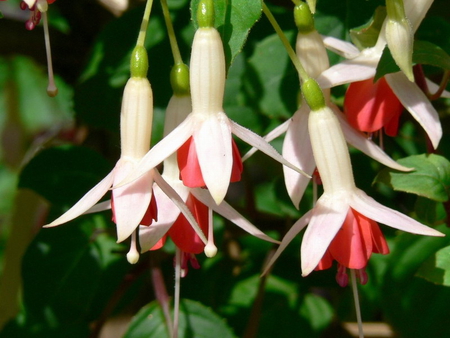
[
  {"x": 427, "y": 53},
  {"x": 272, "y": 86},
  {"x": 424, "y": 53},
  {"x": 366, "y": 36},
  {"x": 196, "y": 320},
  {"x": 436, "y": 269},
  {"x": 430, "y": 212},
  {"x": 317, "y": 311},
  {"x": 234, "y": 19},
  {"x": 430, "y": 178},
  {"x": 99, "y": 94}
]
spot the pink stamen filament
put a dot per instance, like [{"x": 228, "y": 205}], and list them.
[{"x": 52, "y": 90}]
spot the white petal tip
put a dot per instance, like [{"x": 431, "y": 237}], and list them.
[
  {"x": 133, "y": 256},
  {"x": 210, "y": 250}
]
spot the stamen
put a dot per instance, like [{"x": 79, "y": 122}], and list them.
[
  {"x": 341, "y": 276},
  {"x": 133, "y": 254},
  {"x": 52, "y": 90},
  {"x": 210, "y": 248},
  {"x": 362, "y": 276}
]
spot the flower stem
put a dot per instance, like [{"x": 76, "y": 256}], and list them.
[
  {"x": 295, "y": 60},
  {"x": 357, "y": 306},
  {"x": 144, "y": 24},
  {"x": 170, "y": 31}
]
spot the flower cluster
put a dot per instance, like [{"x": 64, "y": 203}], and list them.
[{"x": 201, "y": 158}]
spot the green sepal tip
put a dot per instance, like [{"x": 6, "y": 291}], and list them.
[
  {"x": 139, "y": 62},
  {"x": 303, "y": 17},
  {"x": 179, "y": 79},
  {"x": 313, "y": 94},
  {"x": 205, "y": 14}
]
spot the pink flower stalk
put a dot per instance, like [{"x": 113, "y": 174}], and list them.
[
  {"x": 371, "y": 106},
  {"x": 343, "y": 213}
]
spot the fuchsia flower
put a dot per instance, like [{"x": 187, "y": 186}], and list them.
[
  {"x": 199, "y": 201},
  {"x": 362, "y": 66},
  {"x": 342, "y": 224},
  {"x": 297, "y": 149},
  {"x": 133, "y": 204},
  {"x": 206, "y": 154}
]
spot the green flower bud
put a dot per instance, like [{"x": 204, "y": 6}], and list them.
[
  {"x": 313, "y": 94},
  {"x": 179, "y": 79},
  {"x": 205, "y": 14},
  {"x": 139, "y": 62},
  {"x": 303, "y": 18}
]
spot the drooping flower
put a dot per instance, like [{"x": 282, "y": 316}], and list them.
[
  {"x": 362, "y": 66},
  {"x": 204, "y": 143},
  {"x": 297, "y": 149},
  {"x": 342, "y": 224},
  {"x": 170, "y": 221},
  {"x": 131, "y": 204}
]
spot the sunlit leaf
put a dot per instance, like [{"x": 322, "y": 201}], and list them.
[
  {"x": 430, "y": 179},
  {"x": 234, "y": 19}
]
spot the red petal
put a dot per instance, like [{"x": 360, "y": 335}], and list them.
[
  {"x": 182, "y": 233},
  {"x": 349, "y": 247},
  {"x": 159, "y": 244},
  {"x": 236, "y": 171},
  {"x": 371, "y": 106},
  {"x": 190, "y": 171},
  {"x": 378, "y": 240}
]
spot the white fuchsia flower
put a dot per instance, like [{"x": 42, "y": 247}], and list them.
[
  {"x": 361, "y": 65},
  {"x": 171, "y": 221},
  {"x": 134, "y": 204},
  {"x": 297, "y": 149},
  {"x": 207, "y": 155},
  {"x": 342, "y": 225}
]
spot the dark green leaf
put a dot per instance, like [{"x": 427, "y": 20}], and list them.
[
  {"x": 234, "y": 19},
  {"x": 273, "y": 87},
  {"x": 430, "y": 178},
  {"x": 196, "y": 320},
  {"x": 425, "y": 53},
  {"x": 436, "y": 269},
  {"x": 366, "y": 35},
  {"x": 430, "y": 212}
]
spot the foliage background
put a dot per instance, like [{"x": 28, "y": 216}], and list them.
[{"x": 74, "y": 278}]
